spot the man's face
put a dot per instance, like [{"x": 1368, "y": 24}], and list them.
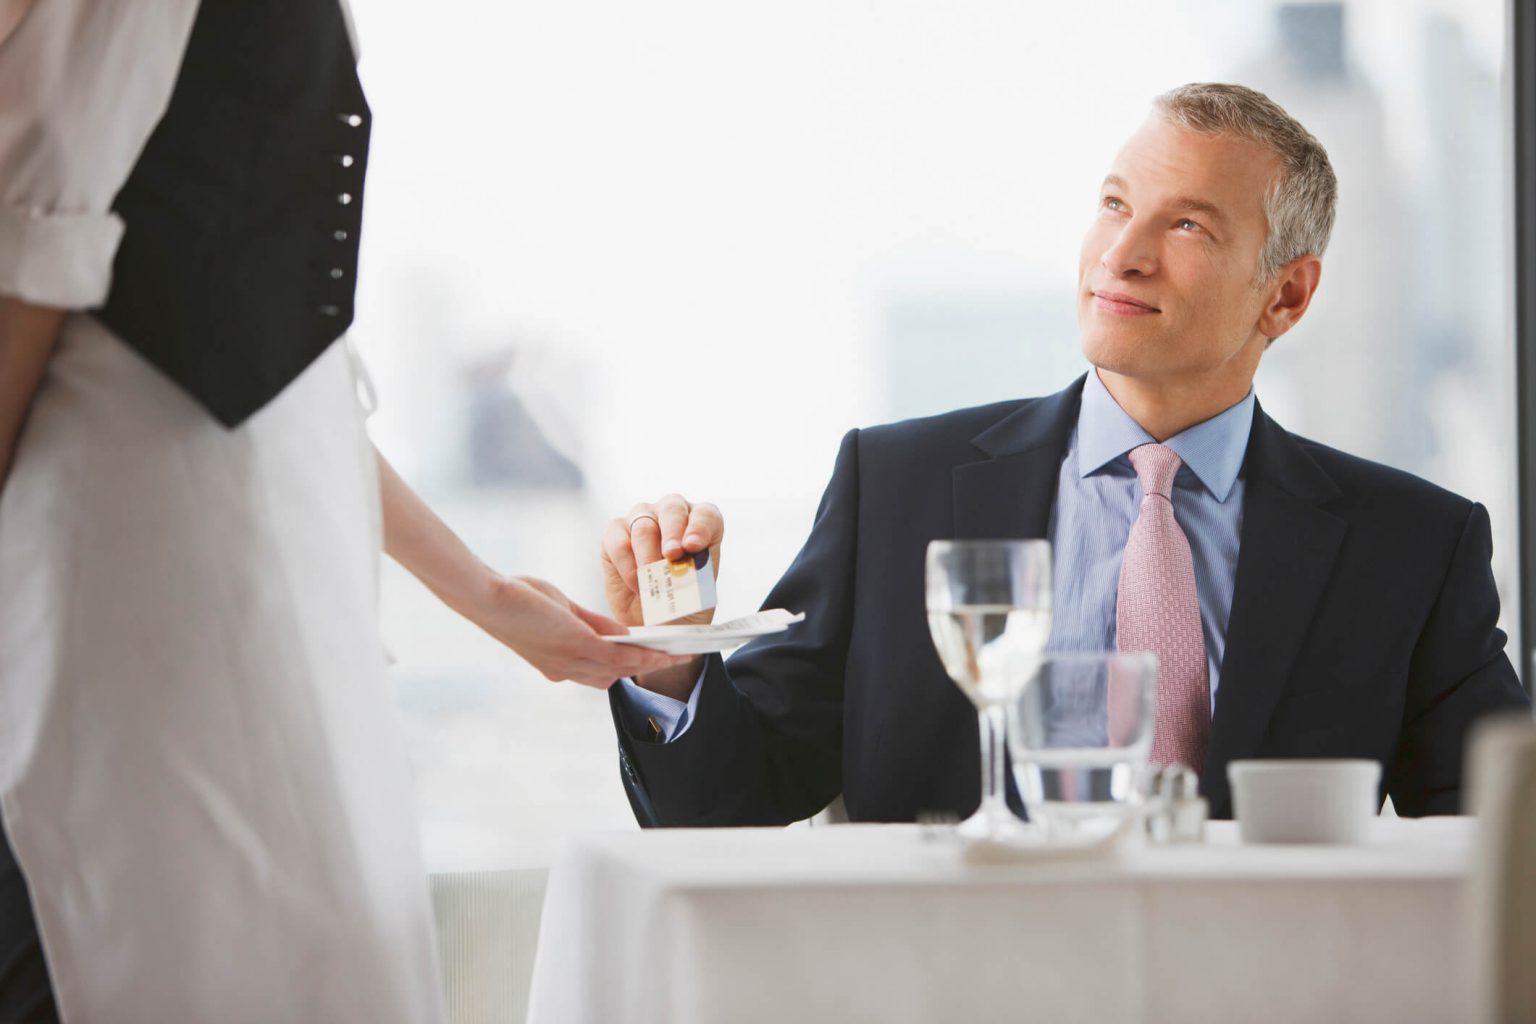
[{"x": 1166, "y": 279}]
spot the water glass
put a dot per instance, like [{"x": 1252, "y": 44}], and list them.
[{"x": 1080, "y": 735}]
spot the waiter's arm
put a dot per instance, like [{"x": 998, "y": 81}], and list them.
[
  {"x": 82, "y": 85},
  {"x": 556, "y": 635}
]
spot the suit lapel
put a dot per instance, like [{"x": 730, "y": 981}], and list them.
[
  {"x": 1010, "y": 494},
  {"x": 1285, "y": 557}
]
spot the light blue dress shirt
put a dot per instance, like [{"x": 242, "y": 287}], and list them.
[
  {"x": 1097, "y": 499},
  {"x": 672, "y": 717}
]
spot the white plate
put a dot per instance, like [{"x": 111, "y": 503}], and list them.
[{"x": 717, "y": 636}]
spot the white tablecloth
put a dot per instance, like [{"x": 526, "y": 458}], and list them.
[{"x": 879, "y": 923}]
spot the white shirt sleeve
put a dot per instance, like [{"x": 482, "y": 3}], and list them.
[{"x": 82, "y": 85}]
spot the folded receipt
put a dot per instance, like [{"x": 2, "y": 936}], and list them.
[{"x": 717, "y": 636}]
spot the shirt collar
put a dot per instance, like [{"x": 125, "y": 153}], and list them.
[{"x": 1212, "y": 450}]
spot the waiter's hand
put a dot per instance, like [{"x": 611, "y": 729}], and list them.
[
  {"x": 670, "y": 527},
  {"x": 560, "y": 638},
  {"x": 554, "y": 634}
]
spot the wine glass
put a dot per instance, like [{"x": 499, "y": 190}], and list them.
[{"x": 989, "y": 610}]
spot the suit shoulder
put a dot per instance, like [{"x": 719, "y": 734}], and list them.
[
  {"x": 957, "y": 425},
  {"x": 1360, "y": 479}
]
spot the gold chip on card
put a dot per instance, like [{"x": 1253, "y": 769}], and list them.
[{"x": 673, "y": 590}]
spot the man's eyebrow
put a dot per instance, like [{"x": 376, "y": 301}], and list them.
[
  {"x": 1190, "y": 204},
  {"x": 1194, "y": 205}
]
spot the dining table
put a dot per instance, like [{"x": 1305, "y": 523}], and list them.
[{"x": 904, "y": 922}]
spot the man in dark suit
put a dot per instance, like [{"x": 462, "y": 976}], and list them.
[{"x": 1345, "y": 609}]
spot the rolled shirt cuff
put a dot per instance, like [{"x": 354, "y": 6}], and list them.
[{"x": 63, "y": 260}]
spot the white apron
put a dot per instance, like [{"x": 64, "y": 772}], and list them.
[{"x": 201, "y": 772}]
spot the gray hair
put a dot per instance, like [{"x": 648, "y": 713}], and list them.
[{"x": 1299, "y": 203}]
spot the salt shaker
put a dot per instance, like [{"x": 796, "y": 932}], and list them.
[{"x": 1176, "y": 812}]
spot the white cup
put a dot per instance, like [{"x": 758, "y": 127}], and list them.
[{"x": 1304, "y": 800}]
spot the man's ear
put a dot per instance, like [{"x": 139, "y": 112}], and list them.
[{"x": 1289, "y": 295}]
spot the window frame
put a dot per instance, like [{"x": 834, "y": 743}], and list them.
[{"x": 1522, "y": 29}]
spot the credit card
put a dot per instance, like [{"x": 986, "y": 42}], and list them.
[{"x": 673, "y": 590}]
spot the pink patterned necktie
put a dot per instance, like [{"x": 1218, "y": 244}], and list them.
[{"x": 1158, "y": 610}]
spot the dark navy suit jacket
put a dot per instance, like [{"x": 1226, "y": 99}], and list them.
[{"x": 1362, "y": 625}]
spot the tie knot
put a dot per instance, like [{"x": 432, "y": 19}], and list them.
[{"x": 1156, "y": 465}]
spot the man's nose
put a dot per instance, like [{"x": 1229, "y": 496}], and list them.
[{"x": 1130, "y": 251}]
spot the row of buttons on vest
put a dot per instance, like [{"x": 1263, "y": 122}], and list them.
[{"x": 342, "y": 199}]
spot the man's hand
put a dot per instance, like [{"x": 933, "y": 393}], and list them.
[
  {"x": 559, "y": 637},
  {"x": 669, "y": 528}
]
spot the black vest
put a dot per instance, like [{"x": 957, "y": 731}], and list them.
[{"x": 239, "y": 260}]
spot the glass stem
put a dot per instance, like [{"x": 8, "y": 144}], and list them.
[{"x": 994, "y": 800}]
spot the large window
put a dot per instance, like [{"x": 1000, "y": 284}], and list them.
[{"x": 779, "y": 221}]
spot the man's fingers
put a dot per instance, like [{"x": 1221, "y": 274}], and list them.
[
  {"x": 706, "y": 527},
  {"x": 670, "y": 528},
  {"x": 672, "y": 511},
  {"x": 644, "y": 533},
  {"x": 619, "y": 552}
]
